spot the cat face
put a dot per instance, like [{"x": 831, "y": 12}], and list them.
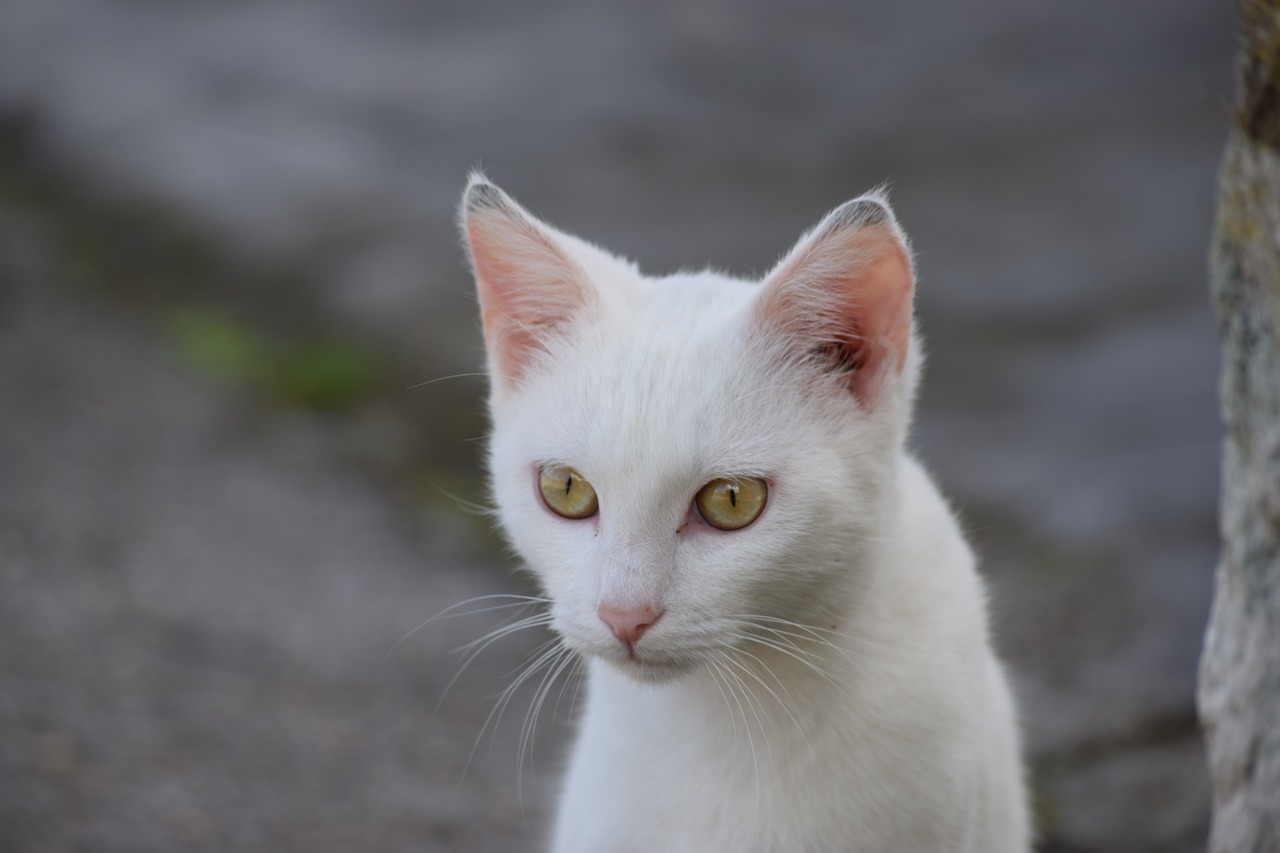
[{"x": 684, "y": 461}]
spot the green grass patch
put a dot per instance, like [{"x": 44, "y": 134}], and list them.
[{"x": 318, "y": 373}]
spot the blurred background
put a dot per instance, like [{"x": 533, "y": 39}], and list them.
[{"x": 228, "y": 261}]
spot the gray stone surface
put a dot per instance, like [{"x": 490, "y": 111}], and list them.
[
  {"x": 1053, "y": 163},
  {"x": 1239, "y": 691}
]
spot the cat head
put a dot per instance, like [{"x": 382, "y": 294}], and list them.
[{"x": 684, "y": 460}]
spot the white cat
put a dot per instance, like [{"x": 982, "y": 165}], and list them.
[{"x": 786, "y": 638}]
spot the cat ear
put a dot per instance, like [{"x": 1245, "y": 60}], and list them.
[
  {"x": 529, "y": 287},
  {"x": 843, "y": 296}
]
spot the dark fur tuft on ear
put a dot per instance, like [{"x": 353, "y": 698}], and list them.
[
  {"x": 859, "y": 213},
  {"x": 481, "y": 195}
]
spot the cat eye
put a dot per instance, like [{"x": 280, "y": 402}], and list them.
[
  {"x": 731, "y": 504},
  {"x": 566, "y": 492}
]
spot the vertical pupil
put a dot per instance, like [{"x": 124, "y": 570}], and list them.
[
  {"x": 568, "y": 484},
  {"x": 733, "y": 497}
]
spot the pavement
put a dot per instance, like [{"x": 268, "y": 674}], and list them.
[
  {"x": 200, "y": 602},
  {"x": 202, "y": 571}
]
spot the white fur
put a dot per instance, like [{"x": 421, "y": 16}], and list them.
[{"x": 884, "y": 723}]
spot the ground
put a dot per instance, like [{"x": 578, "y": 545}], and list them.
[{"x": 227, "y": 252}]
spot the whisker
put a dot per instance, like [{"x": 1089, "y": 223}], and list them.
[
  {"x": 788, "y": 706},
  {"x": 529, "y": 732},
  {"x": 785, "y": 642},
  {"x": 473, "y": 649},
  {"x": 581, "y": 677},
  {"x": 510, "y": 628},
  {"x": 547, "y": 661},
  {"x": 448, "y": 613},
  {"x": 714, "y": 672},
  {"x": 444, "y": 379},
  {"x": 533, "y": 655},
  {"x": 575, "y": 678},
  {"x": 472, "y": 655},
  {"x": 789, "y": 643},
  {"x": 535, "y": 705},
  {"x": 495, "y": 714},
  {"x": 753, "y": 701},
  {"x": 465, "y": 505},
  {"x": 787, "y": 646},
  {"x": 820, "y": 634},
  {"x": 730, "y": 679}
]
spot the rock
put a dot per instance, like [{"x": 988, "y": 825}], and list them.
[{"x": 1240, "y": 673}]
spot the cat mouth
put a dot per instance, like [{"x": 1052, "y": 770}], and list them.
[{"x": 648, "y": 667}]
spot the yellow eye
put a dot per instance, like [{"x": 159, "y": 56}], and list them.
[
  {"x": 731, "y": 504},
  {"x": 566, "y": 493}
]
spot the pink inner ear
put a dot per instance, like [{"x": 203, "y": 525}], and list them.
[
  {"x": 880, "y": 294},
  {"x": 508, "y": 338},
  {"x": 527, "y": 287},
  {"x": 846, "y": 298}
]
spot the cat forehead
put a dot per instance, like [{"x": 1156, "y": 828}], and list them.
[
  {"x": 676, "y": 369},
  {"x": 687, "y": 337},
  {"x": 687, "y": 308},
  {"x": 645, "y": 330}
]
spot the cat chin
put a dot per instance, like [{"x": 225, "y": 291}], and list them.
[{"x": 650, "y": 670}]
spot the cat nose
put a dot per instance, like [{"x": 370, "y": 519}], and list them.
[{"x": 628, "y": 623}]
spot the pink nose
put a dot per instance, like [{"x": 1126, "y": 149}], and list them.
[{"x": 628, "y": 623}]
